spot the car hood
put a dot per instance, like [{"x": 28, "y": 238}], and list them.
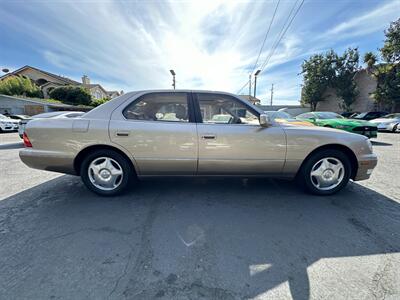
[
  {"x": 385, "y": 120},
  {"x": 9, "y": 121},
  {"x": 348, "y": 122}
]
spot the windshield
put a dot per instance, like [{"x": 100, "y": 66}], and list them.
[
  {"x": 362, "y": 115},
  {"x": 278, "y": 115},
  {"x": 328, "y": 115}
]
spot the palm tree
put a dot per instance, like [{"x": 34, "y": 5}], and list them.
[{"x": 370, "y": 59}]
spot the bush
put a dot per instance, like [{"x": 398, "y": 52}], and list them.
[
  {"x": 72, "y": 95},
  {"x": 19, "y": 86},
  {"x": 97, "y": 102}
]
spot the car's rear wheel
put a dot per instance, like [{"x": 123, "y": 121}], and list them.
[
  {"x": 325, "y": 172},
  {"x": 106, "y": 172}
]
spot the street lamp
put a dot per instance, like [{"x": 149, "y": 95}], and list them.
[
  {"x": 173, "y": 77},
  {"x": 255, "y": 81}
]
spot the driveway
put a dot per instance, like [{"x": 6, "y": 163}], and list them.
[{"x": 198, "y": 238}]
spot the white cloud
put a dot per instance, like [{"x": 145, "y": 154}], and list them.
[{"x": 370, "y": 22}]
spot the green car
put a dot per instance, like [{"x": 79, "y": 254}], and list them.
[{"x": 334, "y": 120}]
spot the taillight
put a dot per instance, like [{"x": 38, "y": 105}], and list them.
[{"x": 27, "y": 142}]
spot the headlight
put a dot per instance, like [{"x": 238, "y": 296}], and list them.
[{"x": 369, "y": 145}]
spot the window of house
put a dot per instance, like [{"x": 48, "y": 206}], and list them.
[
  {"x": 223, "y": 109},
  {"x": 168, "y": 107}
]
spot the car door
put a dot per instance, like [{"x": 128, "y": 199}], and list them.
[
  {"x": 231, "y": 140},
  {"x": 159, "y": 132}
]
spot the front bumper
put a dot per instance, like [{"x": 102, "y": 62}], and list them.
[
  {"x": 366, "y": 164},
  {"x": 8, "y": 127},
  {"x": 386, "y": 127},
  {"x": 368, "y": 131},
  {"x": 48, "y": 160}
]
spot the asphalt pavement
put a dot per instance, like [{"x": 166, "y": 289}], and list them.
[{"x": 198, "y": 238}]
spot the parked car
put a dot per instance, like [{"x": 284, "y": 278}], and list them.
[
  {"x": 53, "y": 114},
  {"x": 284, "y": 117},
  {"x": 7, "y": 124},
  {"x": 127, "y": 138},
  {"x": 369, "y": 115},
  {"x": 334, "y": 120},
  {"x": 387, "y": 123}
]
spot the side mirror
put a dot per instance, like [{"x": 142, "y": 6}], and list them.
[{"x": 265, "y": 120}]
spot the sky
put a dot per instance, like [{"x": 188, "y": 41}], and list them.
[{"x": 213, "y": 45}]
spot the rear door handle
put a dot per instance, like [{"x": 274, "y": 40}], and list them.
[
  {"x": 208, "y": 137},
  {"x": 122, "y": 133}
]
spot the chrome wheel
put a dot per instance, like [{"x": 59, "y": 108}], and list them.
[
  {"x": 327, "y": 173},
  {"x": 105, "y": 173}
]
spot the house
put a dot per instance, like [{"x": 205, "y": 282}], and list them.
[
  {"x": 48, "y": 81},
  {"x": 32, "y": 106},
  {"x": 113, "y": 94},
  {"x": 366, "y": 84}
]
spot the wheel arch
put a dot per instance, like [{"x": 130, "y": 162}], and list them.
[
  {"x": 84, "y": 152},
  {"x": 349, "y": 153}
]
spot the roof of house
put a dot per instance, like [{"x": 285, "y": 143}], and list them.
[
  {"x": 94, "y": 85},
  {"x": 65, "y": 79}
]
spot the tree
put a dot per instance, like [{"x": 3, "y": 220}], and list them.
[
  {"x": 346, "y": 67},
  {"x": 370, "y": 59},
  {"x": 387, "y": 94},
  {"x": 71, "y": 95},
  {"x": 317, "y": 74},
  {"x": 98, "y": 102},
  {"x": 19, "y": 86},
  {"x": 391, "y": 48}
]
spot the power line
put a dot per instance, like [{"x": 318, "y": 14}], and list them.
[
  {"x": 266, "y": 36},
  {"x": 281, "y": 34},
  {"x": 263, "y": 66}
]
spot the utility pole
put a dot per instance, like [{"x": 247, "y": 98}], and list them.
[
  {"x": 255, "y": 82},
  {"x": 272, "y": 93},
  {"x": 249, "y": 86},
  {"x": 173, "y": 78}
]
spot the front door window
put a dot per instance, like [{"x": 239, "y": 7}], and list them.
[{"x": 223, "y": 109}]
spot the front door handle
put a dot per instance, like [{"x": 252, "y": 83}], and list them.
[
  {"x": 122, "y": 133},
  {"x": 208, "y": 137}
]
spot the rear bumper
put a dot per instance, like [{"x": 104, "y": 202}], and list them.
[
  {"x": 366, "y": 164},
  {"x": 48, "y": 160}
]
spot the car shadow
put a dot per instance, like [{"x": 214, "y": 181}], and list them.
[
  {"x": 375, "y": 143},
  {"x": 210, "y": 238}
]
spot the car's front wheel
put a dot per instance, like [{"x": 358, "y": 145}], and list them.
[
  {"x": 325, "y": 172},
  {"x": 106, "y": 172}
]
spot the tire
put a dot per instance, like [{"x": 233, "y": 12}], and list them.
[
  {"x": 395, "y": 127},
  {"x": 338, "y": 165},
  {"x": 101, "y": 168}
]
